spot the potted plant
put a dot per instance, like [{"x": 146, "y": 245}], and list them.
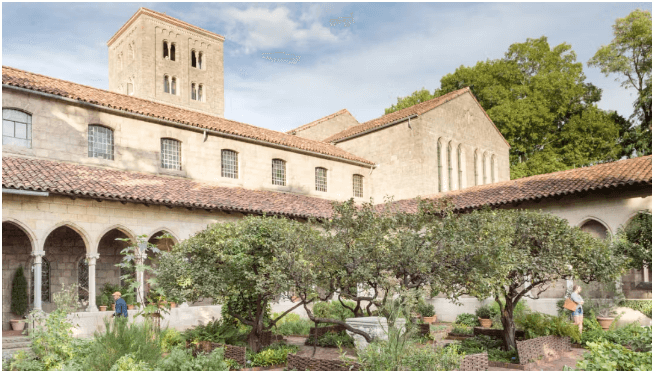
[
  {"x": 484, "y": 315},
  {"x": 103, "y": 302},
  {"x": 427, "y": 312},
  {"x": 605, "y": 313},
  {"x": 19, "y": 303}
]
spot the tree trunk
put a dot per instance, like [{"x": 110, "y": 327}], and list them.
[
  {"x": 253, "y": 340},
  {"x": 508, "y": 324}
]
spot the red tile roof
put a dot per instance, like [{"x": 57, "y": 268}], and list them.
[
  {"x": 32, "y": 81},
  {"x": 636, "y": 171},
  {"x": 417, "y": 109},
  {"x": 119, "y": 185},
  {"x": 314, "y": 123},
  {"x": 165, "y": 18}
]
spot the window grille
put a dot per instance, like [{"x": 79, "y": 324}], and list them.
[
  {"x": 171, "y": 154},
  {"x": 357, "y": 185},
  {"x": 449, "y": 166},
  {"x": 16, "y": 128},
  {"x": 476, "y": 168},
  {"x": 101, "y": 142},
  {"x": 440, "y": 165},
  {"x": 458, "y": 165},
  {"x": 83, "y": 279},
  {"x": 45, "y": 281},
  {"x": 278, "y": 172},
  {"x": 173, "y": 86},
  {"x": 166, "y": 84},
  {"x": 321, "y": 179},
  {"x": 229, "y": 164}
]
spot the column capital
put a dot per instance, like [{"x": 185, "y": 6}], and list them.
[
  {"x": 92, "y": 257},
  {"x": 40, "y": 253}
]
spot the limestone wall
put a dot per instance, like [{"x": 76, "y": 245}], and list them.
[{"x": 329, "y": 127}]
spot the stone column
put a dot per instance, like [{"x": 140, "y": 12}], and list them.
[
  {"x": 37, "y": 278},
  {"x": 140, "y": 255},
  {"x": 645, "y": 274},
  {"x": 92, "y": 258}
]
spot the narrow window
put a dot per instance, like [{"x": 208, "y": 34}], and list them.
[
  {"x": 357, "y": 185},
  {"x": 321, "y": 179},
  {"x": 458, "y": 164},
  {"x": 165, "y": 49},
  {"x": 101, "y": 142},
  {"x": 483, "y": 169},
  {"x": 449, "y": 166},
  {"x": 131, "y": 51},
  {"x": 200, "y": 55},
  {"x": 194, "y": 94},
  {"x": 173, "y": 86},
  {"x": 278, "y": 172},
  {"x": 83, "y": 279},
  {"x": 193, "y": 60},
  {"x": 172, "y": 51},
  {"x": 171, "y": 154},
  {"x": 229, "y": 164},
  {"x": 16, "y": 128},
  {"x": 440, "y": 165},
  {"x": 166, "y": 84},
  {"x": 130, "y": 88},
  {"x": 476, "y": 165},
  {"x": 45, "y": 281},
  {"x": 492, "y": 168},
  {"x": 200, "y": 96}
]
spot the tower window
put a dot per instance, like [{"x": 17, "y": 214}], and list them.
[
  {"x": 278, "y": 172},
  {"x": 101, "y": 142},
  {"x": 16, "y": 128},
  {"x": 194, "y": 62},
  {"x": 166, "y": 84},
  {"x": 171, "y": 154},
  {"x": 200, "y": 55},
  {"x": 194, "y": 92},
  {"x": 357, "y": 185},
  {"x": 200, "y": 95},
  {"x": 321, "y": 179},
  {"x": 165, "y": 49},
  {"x": 173, "y": 86},
  {"x": 229, "y": 164},
  {"x": 172, "y": 51}
]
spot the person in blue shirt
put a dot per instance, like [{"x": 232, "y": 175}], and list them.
[
  {"x": 121, "y": 305},
  {"x": 578, "y": 315}
]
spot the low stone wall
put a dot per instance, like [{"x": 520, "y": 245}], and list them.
[
  {"x": 315, "y": 364},
  {"x": 238, "y": 354},
  {"x": 544, "y": 347},
  {"x": 474, "y": 362}
]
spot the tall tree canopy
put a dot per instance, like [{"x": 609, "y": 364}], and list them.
[
  {"x": 539, "y": 100},
  {"x": 629, "y": 55}
]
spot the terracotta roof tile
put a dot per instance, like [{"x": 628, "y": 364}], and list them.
[
  {"x": 32, "y": 81},
  {"x": 636, "y": 171},
  {"x": 119, "y": 185},
  {"x": 314, "y": 123},
  {"x": 417, "y": 109}
]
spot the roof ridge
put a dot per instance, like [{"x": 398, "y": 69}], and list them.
[{"x": 318, "y": 121}]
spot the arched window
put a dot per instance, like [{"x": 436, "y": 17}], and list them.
[
  {"x": 483, "y": 169},
  {"x": 357, "y": 185},
  {"x": 492, "y": 169},
  {"x": 595, "y": 229},
  {"x": 16, "y": 128},
  {"x": 173, "y": 86},
  {"x": 229, "y": 164},
  {"x": 45, "y": 281},
  {"x": 321, "y": 179},
  {"x": 278, "y": 172},
  {"x": 166, "y": 84},
  {"x": 476, "y": 165},
  {"x": 449, "y": 166},
  {"x": 440, "y": 165},
  {"x": 101, "y": 142},
  {"x": 165, "y": 49},
  {"x": 194, "y": 62},
  {"x": 172, "y": 51},
  {"x": 458, "y": 166},
  {"x": 171, "y": 154},
  {"x": 200, "y": 60},
  {"x": 200, "y": 93},
  {"x": 83, "y": 279},
  {"x": 194, "y": 93}
]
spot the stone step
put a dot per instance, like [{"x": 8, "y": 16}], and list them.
[
  {"x": 8, "y": 353},
  {"x": 14, "y": 339},
  {"x": 16, "y": 345}
]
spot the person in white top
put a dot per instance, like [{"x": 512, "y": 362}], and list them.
[{"x": 578, "y": 315}]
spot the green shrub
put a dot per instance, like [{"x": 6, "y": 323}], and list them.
[
  {"x": 632, "y": 335},
  {"x": 182, "y": 360},
  {"x": 333, "y": 310},
  {"x": 170, "y": 338},
  {"x": 520, "y": 310},
  {"x": 291, "y": 324},
  {"x": 425, "y": 309},
  {"x": 128, "y": 363},
  {"x": 431, "y": 359},
  {"x": 275, "y": 354},
  {"x": 539, "y": 324},
  {"x": 604, "y": 355},
  {"x": 492, "y": 346},
  {"x": 225, "y": 331},
  {"x": 484, "y": 312},
  {"x": 334, "y": 340},
  {"x": 467, "y": 319},
  {"x": 643, "y": 306},
  {"x": 460, "y": 329},
  {"x": 19, "y": 303}
]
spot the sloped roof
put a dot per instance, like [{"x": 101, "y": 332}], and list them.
[
  {"x": 32, "y": 81},
  {"x": 321, "y": 120},
  {"x": 417, "y": 109},
  {"x": 77, "y": 180},
  {"x": 636, "y": 171}
]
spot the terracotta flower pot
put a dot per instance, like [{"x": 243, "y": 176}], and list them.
[
  {"x": 429, "y": 320},
  {"x": 130, "y": 306},
  {"x": 485, "y": 322},
  {"x": 17, "y": 325},
  {"x": 103, "y": 308},
  {"x": 173, "y": 305},
  {"x": 605, "y": 322},
  {"x": 113, "y": 306}
]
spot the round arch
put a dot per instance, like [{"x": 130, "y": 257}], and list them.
[
  {"x": 126, "y": 231},
  {"x": 88, "y": 242},
  {"x": 20, "y": 225}
]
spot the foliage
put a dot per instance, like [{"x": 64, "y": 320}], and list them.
[
  {"x": 633, "y": 335},
  {"x": 483, "y": 343},
  {"x": 225, "y": 331},
  {"x": 604, "y": 355},
  {"x": 461, "y": 329},
  {"x": 520, "y": 310},
  {"x": 601, "y": 307},
  {"x": 19, "y": 304},
  {"x": 484, "y": 312},
  {"x": 467, "y": 319},
  {"x": 635, "y": 241},
  {"x": 416, "y": 97},
  {"x": 170, "y": 338},
  {"x": 425, "y": 309},
  {"x": 272, "y": 355},
  {"x": 509, "y": 253},
  {"x": 128, "y": 363},
  {"x": 333, "y": 340},
  {"x": 292, "y": 324},
  {"x": 334, "y": 309},
  {"x": 539, "y": 324},
  {"x": 181, "y": 359},
  {"x": 643, "y": 306},
  {"x": 629, "y": 55}
]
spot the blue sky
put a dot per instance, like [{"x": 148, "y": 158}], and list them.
[{"x": 391, "y": 50}]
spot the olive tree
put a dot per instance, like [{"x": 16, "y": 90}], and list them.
[{"x": 508, "y": 254}]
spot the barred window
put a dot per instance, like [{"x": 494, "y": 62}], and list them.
[
  {"x": 45, "y": 281},
  {"x": 321, "y": 179},
  {"x": 357, "y": 185},
  {"x": 101, "y": 142},
  {"x": 278, "y": 172},
  {"x": 83, "y": 279},
  {"x": 171, "y": 154},
  {"x": 229, "y": 164},
  {"x": 16, "y": 128}
]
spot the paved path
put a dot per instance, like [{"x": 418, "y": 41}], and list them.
[{"x": 568, "y": 360}]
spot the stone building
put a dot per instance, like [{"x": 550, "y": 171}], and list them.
[{"x": 85, "y": 166}]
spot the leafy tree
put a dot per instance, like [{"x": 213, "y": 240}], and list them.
[
  {"x": 508, "y": 254},
  {"x": 19, "y": 303},
  {"x": 635, "y": 241},
  {"x": 416, "y": 97},
  {"x": 539, "y": 100},
  {"x": 629, "y": 55}
]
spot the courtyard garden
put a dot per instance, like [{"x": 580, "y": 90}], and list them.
[{"x": 367, "y": 264}]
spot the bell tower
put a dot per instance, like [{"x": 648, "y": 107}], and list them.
[{"x": 160, "y": 58}]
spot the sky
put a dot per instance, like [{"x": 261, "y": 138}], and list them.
[{"x": 391, "y": 49}]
